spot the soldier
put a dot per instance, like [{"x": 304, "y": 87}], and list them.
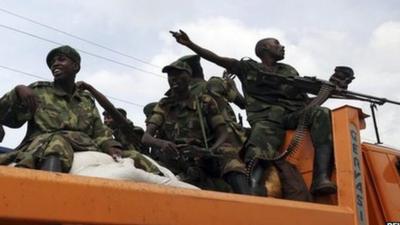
[
  {"x": 123, "y": 130},
  {"x": 61, "y": 118},
  {"x": 126, "y": 133},
  {"x": 192, "y": 123},
  {"x": 224, "y": 90},
  {"x": 271, "y": 110}
]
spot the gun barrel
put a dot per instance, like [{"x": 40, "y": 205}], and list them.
[{"x": 369, "y": 98}]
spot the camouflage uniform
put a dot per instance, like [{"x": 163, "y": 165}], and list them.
[
  {"x": 61, "y": 125},
  {"x": 181, "y": 124},
  {"x": 130, "y": 136},
  {"x": 219, "y": 90},
  {"x": 271, "y": 110}
]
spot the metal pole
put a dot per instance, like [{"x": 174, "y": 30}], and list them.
[{"x": 373, "y": 107}]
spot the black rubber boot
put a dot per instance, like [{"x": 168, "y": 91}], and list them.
[
  {"x": 238, "y": 182},
  {"x": 323, "y": 166},
  {"x": 257, "y": 181},
  {"x": 51, "y": 163}
]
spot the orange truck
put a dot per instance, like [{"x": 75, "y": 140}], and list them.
[{"x": 366, "y": 175}]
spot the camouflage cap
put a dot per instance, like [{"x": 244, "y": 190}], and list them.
[
  {"x": 64, "y": 50},
  {"x": 194, "y": 63},
  {"x": 179, "y": 65},
  {"x": 148, "y": 109}
]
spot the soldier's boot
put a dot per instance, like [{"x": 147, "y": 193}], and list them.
[
  {"x": 322, "y": 171},
  {"x": 257, "y": 181},
  {"x": 51, "y": 163},
  {"x": 238, "y": 182}
]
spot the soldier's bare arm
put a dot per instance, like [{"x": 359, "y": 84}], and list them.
[
  {"x": 149, "y": 140},
  {"x": 27, "y": 97},
  {"x": 104, "y": 102},
  {"x": 115, "y": 152},
  {"x": 183, "y": 39}
]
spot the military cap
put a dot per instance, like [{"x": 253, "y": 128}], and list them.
[
  {"x": 121, "y": 110},
  {"x": 148, "y": 109},
  {"x": 194, "y": 63},
  {"x": 179, "y": 65},
  {"x": 64, "y": 50}
]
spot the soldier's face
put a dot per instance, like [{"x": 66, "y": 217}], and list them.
[
  {"x": 63, "y": 67},
  {"x": 275, "y": 49},
  {"x": 108, "y": 121},
  {"x": 178, "y": 80}
]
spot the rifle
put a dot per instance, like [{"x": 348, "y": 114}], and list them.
[
  {"x": 313, "y": 85},
  {"x": 188, "y": 153}
]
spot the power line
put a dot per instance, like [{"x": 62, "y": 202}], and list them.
[
  {"x": 43, "y": 78},
  {"x": 77, "y": 37},
  {"x": 83, "y": 51}
]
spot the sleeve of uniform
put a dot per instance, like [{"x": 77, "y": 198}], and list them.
[
  {"x": 101, "y": 134},
  {"x": 12, "y": 113},
  {"x": 215, "y": 85},
  {"x": 241, "y": 67},
  {"x": 214, "y": 117},
  {"x": 157, "y": 117}
]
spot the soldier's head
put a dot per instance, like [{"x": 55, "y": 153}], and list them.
[
  {"x": 64, "y": 62},
  {"x": 270, "y": 47},
  {"x": 194, "y": 63},
  {"x": 109, "y": 121},
  {"x": 179, "y": 75}
]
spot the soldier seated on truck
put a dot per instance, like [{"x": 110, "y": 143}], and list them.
[
  {"x": 127, "y": 134},
  {"x": 62, "y": 119},
  {"x": 195, "y": 143}
]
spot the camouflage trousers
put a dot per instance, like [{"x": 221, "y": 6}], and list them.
[
  {"x": 267, "y": 136},
  {"x": 31, "y": 154},
  {"x": 140, "y": 161}
]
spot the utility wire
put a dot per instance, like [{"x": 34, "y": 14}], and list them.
[
  {"x": 43, "y": 78},
  {"x": 83, "y": 51},
  {"x": 77, "y": 37}
]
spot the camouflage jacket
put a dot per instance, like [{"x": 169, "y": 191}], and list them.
[
  {"x": 218, "y": 88},
  {"x": 180, "y": 121},
  {"x": 267, "y": 101},
  {"x": 75, "y": 117}
]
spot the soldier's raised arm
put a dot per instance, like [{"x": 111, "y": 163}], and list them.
[
  {"x": 104, "y": 102},
  {"x": 183, "y": 39}
]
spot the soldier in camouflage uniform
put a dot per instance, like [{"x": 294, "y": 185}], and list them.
[
  {"x": 127, "y": 134},
  {"x": 193, "y": 122},
  {"x": 223, "y": 92},
  {"x": 123, "y": 130},
  {"x": 273, "y": 109},
  {"x": 61, "y": 118}
]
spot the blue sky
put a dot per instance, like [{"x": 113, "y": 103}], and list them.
[{"x": 318, "y": 36}]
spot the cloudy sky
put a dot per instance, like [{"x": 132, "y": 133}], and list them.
[{"x": 124, "y": 44}]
